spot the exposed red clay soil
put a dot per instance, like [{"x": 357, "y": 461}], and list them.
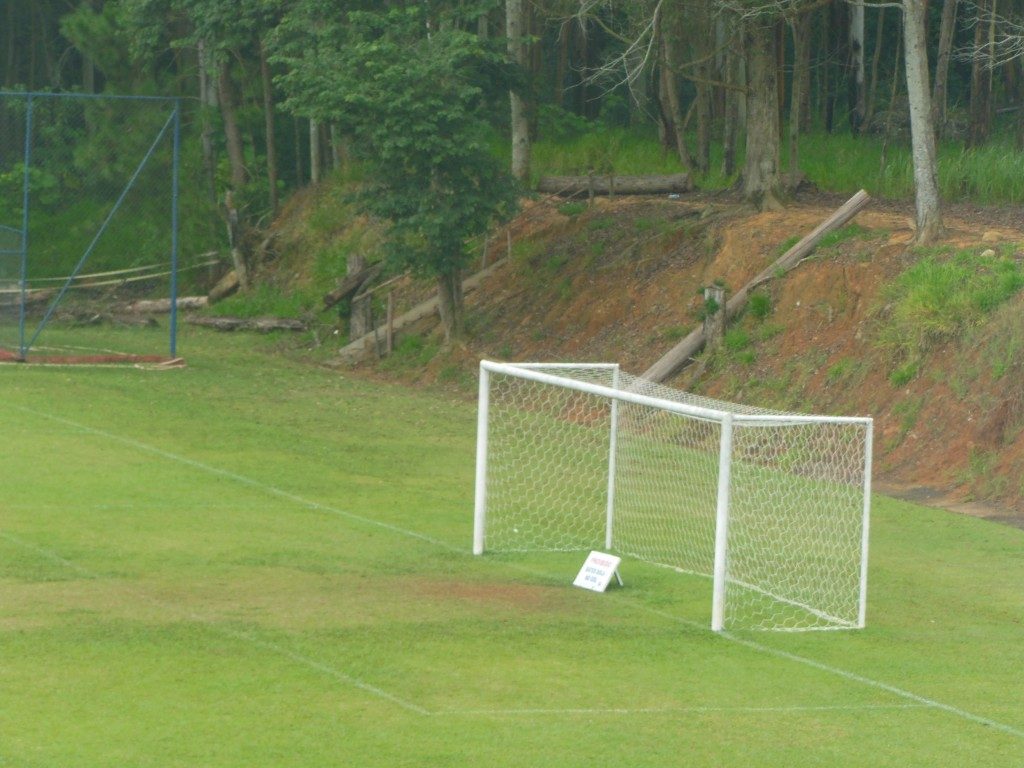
[{"x": 620, "y": 282}]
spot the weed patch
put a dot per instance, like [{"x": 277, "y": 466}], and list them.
[{"x": 941, "y": 297}]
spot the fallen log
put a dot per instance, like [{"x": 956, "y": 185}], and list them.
[
  {"x": 261, "y": 324},
  {"x": 159, "y": 306},
  {"x": 226, "y": 286},
  {"x": 350, "y": 285},
  {"x": 363, "y": 346},
  {"x": 603, "y": 184},
  {"x": 680, "y": 355}
]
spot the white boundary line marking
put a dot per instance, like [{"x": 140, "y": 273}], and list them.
[
  {"x": 784, "y": 709},
  {"x": 854, "y": 677},
  {"x": 241, "y": 479},
  {"x": 750, "y": 644},
  {"x": 215, "y": 628}
]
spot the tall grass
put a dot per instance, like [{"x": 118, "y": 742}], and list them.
[
  {"x": 836, "y": 162},
  {"x": 940, "y": 297}
]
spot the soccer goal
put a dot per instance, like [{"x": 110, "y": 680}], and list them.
[
  {"x": 771, "y": 507},
  {"x": 88, "y": 226}
]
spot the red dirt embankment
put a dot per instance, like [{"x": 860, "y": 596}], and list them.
[{"x": 620, "y": 281}]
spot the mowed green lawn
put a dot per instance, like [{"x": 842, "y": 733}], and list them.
[{"x": 252, "y": 562}]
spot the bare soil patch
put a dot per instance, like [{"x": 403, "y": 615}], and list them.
[{"x": 621, "y": 281}]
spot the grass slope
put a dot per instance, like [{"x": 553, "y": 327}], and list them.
[{"x": 253, "y": 562}]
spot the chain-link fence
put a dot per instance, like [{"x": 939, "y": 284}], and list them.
[{"x": 88, "y": 223}]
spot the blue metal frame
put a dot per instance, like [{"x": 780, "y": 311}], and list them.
[
  {"x": 23, "y": 283},
  {"x": 174, "y": 123}
]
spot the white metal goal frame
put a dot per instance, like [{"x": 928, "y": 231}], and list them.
[{"x": 774, "y": 507}]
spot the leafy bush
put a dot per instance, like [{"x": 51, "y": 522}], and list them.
[{"x": 264, "y": 300}]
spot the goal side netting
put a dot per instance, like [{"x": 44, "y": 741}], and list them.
[{"x": 772, "y": 508}]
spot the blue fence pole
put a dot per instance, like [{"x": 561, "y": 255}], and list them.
[
  {"x": 174, "y": 230},
  {"x": 23, "y": 285}
]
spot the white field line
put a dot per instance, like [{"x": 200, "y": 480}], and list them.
[
  {"x": 682, "y": 710},
  {"x": 215, "y": 628},
  {"x": 909, "y": 696},
  {"x": 240, "y": 479},
  {"x": 854, "y": 677}
]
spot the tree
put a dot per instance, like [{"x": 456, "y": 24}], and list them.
[
  {"x": 942, "y": 63},
  {"x": 858, "y": 100},
  {"x": 922, "y": 130},
  {"x": 412, "y": 90},
  {"x": 515, "y": 28},
  {"x": 762, "y": 173}
]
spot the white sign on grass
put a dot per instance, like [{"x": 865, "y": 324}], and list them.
[{"x": 597, "y": 572}]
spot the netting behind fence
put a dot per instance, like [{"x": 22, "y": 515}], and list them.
[{"x": 87, "y": 223}]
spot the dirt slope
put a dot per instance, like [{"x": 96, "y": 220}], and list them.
[{"x": 620, "y": 281}]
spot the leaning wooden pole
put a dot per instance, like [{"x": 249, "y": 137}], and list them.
[{"x": 681, "y": 354}]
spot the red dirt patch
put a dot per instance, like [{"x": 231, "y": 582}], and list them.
[
  {"x": 621, "y": 281},
  {"x": 521, "y": 597}
]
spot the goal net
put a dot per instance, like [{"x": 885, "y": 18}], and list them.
[{"x": 771, "y": 507}]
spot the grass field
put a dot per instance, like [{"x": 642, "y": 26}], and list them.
[{"x": 253, "y": 562}]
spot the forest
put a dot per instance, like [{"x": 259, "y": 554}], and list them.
[{"x": 449, "y": 110}]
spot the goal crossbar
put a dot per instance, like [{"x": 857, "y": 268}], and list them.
[{"x": 774, "y": 507}]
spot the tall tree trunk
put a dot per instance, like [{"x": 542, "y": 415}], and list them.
[
  {"x": 450, "y": 305},
  {"x": 946, "y": 29},
  {"x": 806, "y": 117},
  {"x": 515, "y": 31},
  {"x": 297, "y": 152},
  {"x": 562, "y": 61},
  {"x": 703, "y": 53},
  {"x": 762, "y": 182},
  {"x": 801, "y": 27},
  {"x": 314, "y": 151},
  {"x": 268, "y": 123},
  {"x": 876, "y": 55},
  {"x": 858, "y": 100},
  {"x": 731, "y": 116},
  {"x": 208, "y": 102},
  {"x": 981, "y": 79},
  {"x": 922, "y": 132},
  {"x": 670, "y": 94},
  {"x": 232, "y": 135}
]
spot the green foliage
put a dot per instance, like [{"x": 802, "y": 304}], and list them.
[
  {"x": 555, "y": 124},
  {"x": 836, "y": 236},
  {"x": 572, "y": 209},
  {"x": 265, "y": 300},
  {"x": 905, "y": 373},
  {"x": 414, "y": 104},
  {"x": 941, "y": 296},
  {"x": 601, "y": 150},
  {"x": 411, "y": 353},
  {"x": 992, "y": 173},
  {"x": 907, "y": 412},
  {"x": 708, "y": 308},
  {"x": 788, "y": 243},
  {"x": 675, "y": 332},
  {"x": 759, "y": 305},
  {"x": 736, "y": 339},
  {"x": 980, "y": 473},
  {"x": 45, "y": 188},
  {"x": 839, "y": 370}
]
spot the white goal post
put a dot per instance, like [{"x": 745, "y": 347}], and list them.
[{"x": 773, "y": 507}]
